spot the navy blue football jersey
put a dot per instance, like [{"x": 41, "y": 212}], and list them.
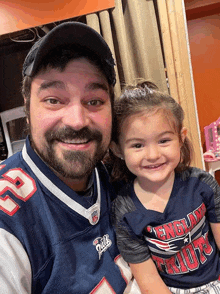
[
  {"x": 51, "y": 243},
  {"x": 179, "y": 240}
]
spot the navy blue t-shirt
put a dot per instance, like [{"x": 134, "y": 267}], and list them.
[{"x": 179, "y": 240}]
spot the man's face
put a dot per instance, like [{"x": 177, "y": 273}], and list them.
[{"x": 70, "y": 120}]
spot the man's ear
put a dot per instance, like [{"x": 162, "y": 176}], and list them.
[
  {"x": 27, "y": 120},
  {"x": 116, "y": 149},
  {"x": 183, "y": 134}
]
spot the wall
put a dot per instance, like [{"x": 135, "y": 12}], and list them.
[
  {"x": 19, "y": 15},
  {"x": 200, "y": 5},
  {"x": 203, "y": 21}
]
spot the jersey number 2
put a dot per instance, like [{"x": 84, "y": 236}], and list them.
[{"x": 20, "y": 184}]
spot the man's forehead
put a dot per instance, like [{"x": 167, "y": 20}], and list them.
[
  {"x": 80, "y": 66},
  {"x": 65, "y": 81}
]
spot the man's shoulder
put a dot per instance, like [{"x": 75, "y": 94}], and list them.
[
  {"x": 11, "y": 162},
  {"x": 17, "y": 186}
]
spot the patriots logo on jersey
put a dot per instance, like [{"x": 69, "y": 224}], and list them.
[
  {"x": 102, "y": 244},
  {"x": 172, "y": 246},
  {"x": 176, "y": 234}
]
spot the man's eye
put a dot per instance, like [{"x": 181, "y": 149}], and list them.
[
  {"x": 52, "y": 101},
  {"x": 95, "y": 102}
]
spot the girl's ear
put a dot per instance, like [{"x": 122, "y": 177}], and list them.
[
  {"x": 116, "y": 149},
  {"x": 183, "y": 134}
]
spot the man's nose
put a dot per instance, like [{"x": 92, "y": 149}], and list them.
[{"x": 76, "y": 116}]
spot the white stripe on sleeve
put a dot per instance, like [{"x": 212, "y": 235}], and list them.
[{"x": 15, "y": 268}]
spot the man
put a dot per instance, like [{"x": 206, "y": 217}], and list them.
[{"x": 55, "y": 230}]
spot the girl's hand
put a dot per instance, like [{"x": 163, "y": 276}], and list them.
[
  {"x": 148, "y": 278},
  {"x": 216, "y": 232}
]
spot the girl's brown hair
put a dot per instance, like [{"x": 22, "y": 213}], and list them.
[{"x": 145, "y": 96}]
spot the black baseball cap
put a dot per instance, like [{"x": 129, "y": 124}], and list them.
[{"x": 71, "y": 33}]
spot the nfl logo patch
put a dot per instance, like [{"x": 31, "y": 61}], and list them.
[
  {"x": 95, "y": 217},
  {"x": 93, "y": 214}
]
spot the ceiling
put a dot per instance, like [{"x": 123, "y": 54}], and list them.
[{"x": 23, "y": 40}]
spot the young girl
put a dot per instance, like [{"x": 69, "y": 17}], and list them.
[{"x": 167, "y": 214}]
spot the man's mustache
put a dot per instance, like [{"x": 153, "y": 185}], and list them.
[{"x": 68, "y": 133}]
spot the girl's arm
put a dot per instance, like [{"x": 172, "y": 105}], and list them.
[
  {"x": 148, "y": 279},
  {"x": 216, "y": 232}
]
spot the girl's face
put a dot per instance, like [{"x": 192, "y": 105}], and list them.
[{"x": 150, "y": 147}]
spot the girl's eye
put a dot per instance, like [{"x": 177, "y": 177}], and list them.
[
  {"x": 163, "y": 141},
  {"x": 137, "y": 146}
]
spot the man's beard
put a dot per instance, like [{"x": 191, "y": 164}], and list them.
[{"x": 73, "y": 164}]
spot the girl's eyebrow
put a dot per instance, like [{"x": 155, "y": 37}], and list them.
[
  {"x": 133, "y": 139},
  {"x": 166, "y": 133},
  {"x": 141, "y": 139}
]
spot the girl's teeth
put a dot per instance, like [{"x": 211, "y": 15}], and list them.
[{"x": 154, "y": 166}]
